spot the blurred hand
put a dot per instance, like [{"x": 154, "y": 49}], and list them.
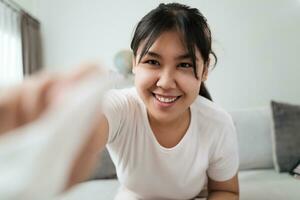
[{"x": 25, "y": 103}]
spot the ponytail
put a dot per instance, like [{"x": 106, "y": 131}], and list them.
[{"x": 204, "y": 92}]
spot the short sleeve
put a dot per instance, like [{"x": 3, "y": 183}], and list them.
[
  {"x": 115, "y": 108},
  {"x": 223, "y": 162}
]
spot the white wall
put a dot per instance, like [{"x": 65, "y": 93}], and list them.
[
  {"x": 257, "y": 42},
  {"x": 29, "y": 6},
  {"x": 258, "y": 46}
]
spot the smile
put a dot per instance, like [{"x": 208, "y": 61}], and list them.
[{"x": 166, "y": 99}]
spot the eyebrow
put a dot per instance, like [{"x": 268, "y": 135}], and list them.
[{"x": 180, "y": 57}]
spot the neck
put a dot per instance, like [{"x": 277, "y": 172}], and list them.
[
  {"x": 179, "y": 123},
  {"x": 169, "y": 133}
]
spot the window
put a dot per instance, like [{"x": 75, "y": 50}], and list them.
[{"x": 11, "y": 67}]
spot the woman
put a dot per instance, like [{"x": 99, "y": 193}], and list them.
[{"x": 166, "y": 140}]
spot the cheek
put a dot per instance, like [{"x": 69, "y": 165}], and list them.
[
  {"x": 189, "y": 84},
  {"x": 144, "y": 78}
]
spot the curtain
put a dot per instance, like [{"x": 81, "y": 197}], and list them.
[
  {"x": 31, "y": 44},
  {"x": 11, "y": 66}
]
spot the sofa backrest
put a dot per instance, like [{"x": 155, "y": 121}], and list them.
[{"x": 254, "y": 130}]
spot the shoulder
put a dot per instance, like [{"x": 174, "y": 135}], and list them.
[
  {"x": 218, "y": 126},
  {"x": 122, "y": 101},
  {"x": 122, "y": 108},
  {"x": 211, "y": 113},
  {"x": 127, "y": 95},
  {"x": 121, "y": 93}
]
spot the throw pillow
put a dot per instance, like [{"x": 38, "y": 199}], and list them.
[{"x": 286, "y": 135}]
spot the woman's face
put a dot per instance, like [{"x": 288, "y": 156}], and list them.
[{"x": 165, "y": 79}]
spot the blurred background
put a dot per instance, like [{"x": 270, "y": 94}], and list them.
[{"x": 257, "y": 42}]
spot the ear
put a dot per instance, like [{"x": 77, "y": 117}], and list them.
[
  {"x": 205, "y": 70},
  {"x": 133, "y": 64},
  {"x": 205, "y": 73}
]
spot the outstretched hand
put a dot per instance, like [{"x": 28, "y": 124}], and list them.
[{"x": 23, "y": 104}]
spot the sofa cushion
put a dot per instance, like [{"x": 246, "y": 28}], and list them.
[
  {"x": 92, "y": 190},
  {"x": 254, "y": 184},
  {"x": 286, "y": 135},
  {"x": 253, "y": 128},
  {"x": 268, "y": 185}
]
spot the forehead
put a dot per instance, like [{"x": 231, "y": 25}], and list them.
[
  {"x": 170, "y": 38},
  {"x": 169, "y": 43}
]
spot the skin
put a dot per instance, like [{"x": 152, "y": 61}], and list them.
[
  {"x": 227, "y": 190},
  {"x": 166, "y": 71}
]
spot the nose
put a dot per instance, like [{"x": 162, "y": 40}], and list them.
[{"x": 166, "y": 80}]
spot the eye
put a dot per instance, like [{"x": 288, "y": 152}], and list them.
[
  {"x": 185, "y": 65},
  {"x": 152, "y": 62}
]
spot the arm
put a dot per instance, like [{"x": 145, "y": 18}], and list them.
[
  {"x": 224, "y": 190},
  {"x": 86, "y": 160}
]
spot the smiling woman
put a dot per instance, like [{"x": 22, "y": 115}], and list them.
[{"x": 165, "y": 137}]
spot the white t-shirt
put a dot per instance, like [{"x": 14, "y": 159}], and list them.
[{"x": 151, "y": 171}]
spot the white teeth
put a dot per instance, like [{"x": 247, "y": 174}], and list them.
[{"x": 165, "y": 100}]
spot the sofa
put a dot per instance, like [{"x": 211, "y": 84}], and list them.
[{"x": 258, "y": 176}]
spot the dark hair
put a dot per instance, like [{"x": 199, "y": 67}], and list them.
[{"x": 189, "y": 22}]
